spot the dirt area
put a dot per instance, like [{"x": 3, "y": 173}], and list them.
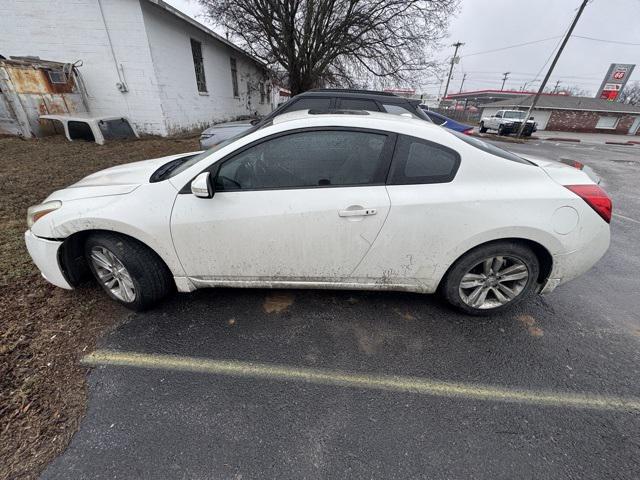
[{"x": 44, "y": 330}]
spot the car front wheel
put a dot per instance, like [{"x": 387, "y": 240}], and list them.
[
  {"x": 127, "y": 270},
  {"x": 491, "y": 278}
]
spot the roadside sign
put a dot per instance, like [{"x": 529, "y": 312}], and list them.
[{"x": 615, "y": 80}]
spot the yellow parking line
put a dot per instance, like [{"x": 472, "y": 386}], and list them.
[{"x": 394, "y": 383}]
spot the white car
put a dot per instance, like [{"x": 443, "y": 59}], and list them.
[{"x": 352, "y": 200}]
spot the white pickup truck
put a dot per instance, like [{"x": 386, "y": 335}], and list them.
[{"x": 506, "y": 122}]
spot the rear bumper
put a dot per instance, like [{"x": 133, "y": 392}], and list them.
[
  {"x": 571, "y": 265},
  {"x": 45, "y": 255}
]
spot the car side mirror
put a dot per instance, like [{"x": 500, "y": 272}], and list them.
[
  {"x": 530, "y": 118},
  {"x": 255, "y": 121},
  {"x": 201, "y": 186}
]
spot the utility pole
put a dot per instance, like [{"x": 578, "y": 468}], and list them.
[
  {"x": 552, "y": 66},
  {"x": 462, "y": 83},
  {"x": 457, "y": 45},
  {"x": 505, "y": 76},
  {"x": 555, "y": 89}
]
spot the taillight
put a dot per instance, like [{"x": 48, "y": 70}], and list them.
[
  {"x": 595, "y": 197},
  {"x": 572, "y": 163},
  {"x": 468, "y": 131}
]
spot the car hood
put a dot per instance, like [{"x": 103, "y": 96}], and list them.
[{"x": 117, "y": 180}]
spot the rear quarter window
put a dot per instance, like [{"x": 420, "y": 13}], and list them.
[{"x": 417, "y": 161}]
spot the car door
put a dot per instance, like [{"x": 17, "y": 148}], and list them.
[
  {"x": 304, "y": 206},
  {"x": 496, "y": 119},
  {"x": 418, "y": 229}
]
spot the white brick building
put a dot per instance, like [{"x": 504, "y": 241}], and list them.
[{"x": 139, "y": 59}]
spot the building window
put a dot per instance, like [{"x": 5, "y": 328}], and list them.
[
  {"x": 263, "y": 93},
  {"x": 196, "y": 51},
  {"x": 234, "y": 77},
  {"x": 609, "y": 123}
]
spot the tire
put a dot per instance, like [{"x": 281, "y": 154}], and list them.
[
  {"x": 127, "y": 270},
  {"x": 482, "y": 128},
  {"x": 501, "y": 130},
  {"x": 515, "y": 256}
]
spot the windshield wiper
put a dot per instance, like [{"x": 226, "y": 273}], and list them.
[{"x": 165, "y": 170}]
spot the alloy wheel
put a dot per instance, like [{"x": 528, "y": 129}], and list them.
[
  {"x": 493, "y": 282},
  {"x": 113, "y": 274}
]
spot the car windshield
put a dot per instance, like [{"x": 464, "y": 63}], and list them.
[
  {"x": 489, "y": 148},
  {"x": 518, "y": 115}
]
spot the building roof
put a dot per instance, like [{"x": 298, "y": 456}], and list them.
[
  {"x": 177, "y": 13},
  {"x": 489, "y": 95},
  {"x": 566, "y": 102}
]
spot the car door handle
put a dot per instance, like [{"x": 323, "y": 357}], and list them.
[{"x": 357, "y": 212}]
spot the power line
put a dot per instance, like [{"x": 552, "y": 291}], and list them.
[
  {"x": 511, "y": 46},
  {"x": 606, "y": 41}
]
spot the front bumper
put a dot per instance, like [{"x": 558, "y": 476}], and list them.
[{"x": 45, "y": 255}]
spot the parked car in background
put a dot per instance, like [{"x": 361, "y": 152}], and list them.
[
  {"x": 344, "y": 200},
  {"x": 447, "y": 122},
  {"x": 320, "y": 99},
  {"x": 507, "y": 121}
]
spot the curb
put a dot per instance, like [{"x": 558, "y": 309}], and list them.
[
  {"x": 561, "y": 139},
  {"x": 627, "y": 144}
]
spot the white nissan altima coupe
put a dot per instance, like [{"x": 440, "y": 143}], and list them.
[{"x": 346, "y": 200}]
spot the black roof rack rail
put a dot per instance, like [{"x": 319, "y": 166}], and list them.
[
  {"x": 353, "y": 90},
  {"x": 336, "y": 111}
]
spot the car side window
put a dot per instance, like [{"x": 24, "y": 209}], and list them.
[
  {"x": 499, "y": 114},
  {"x": 418, "y": 161},
  {"x": 318, "y": 158},
  {"x": 358, "y": 104},
  {"x": 310, "y": 103}
]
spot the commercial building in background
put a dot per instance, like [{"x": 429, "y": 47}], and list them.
[
  {"x": 614, "y": 81},
  {"x": 574, "y": 114},
  {"x": 141, "y": 59}
]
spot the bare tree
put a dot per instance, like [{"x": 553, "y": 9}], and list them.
[
  {"x": 337, "y": 42},
  {"x": 630, "y": 94}
]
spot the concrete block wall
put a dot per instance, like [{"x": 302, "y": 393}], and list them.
[
  {"x": 581, "y": 121},
  {"x": 74, "y": 30},
  {"x": 185, "y": 108}
]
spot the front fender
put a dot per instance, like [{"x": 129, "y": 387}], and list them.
[{"x": 143, "y": 214}]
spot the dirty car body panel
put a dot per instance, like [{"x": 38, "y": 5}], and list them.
[{"x": 392, "y": 205}]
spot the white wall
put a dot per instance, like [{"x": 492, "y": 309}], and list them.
[
  {"x": 153, "y": 47},
  {"x": 183, "y": 106},
  {"x": 72, "y": 30}
]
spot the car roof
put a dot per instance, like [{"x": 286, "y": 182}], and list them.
[{"x": 350, "y": 118}]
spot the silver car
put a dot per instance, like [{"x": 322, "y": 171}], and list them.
[{"x": 216, "y": 134}]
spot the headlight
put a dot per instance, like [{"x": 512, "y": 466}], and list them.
[{"x": 38, "y": 211}]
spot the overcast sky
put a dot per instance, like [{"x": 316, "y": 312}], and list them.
[{"x": 493, "y": 24}]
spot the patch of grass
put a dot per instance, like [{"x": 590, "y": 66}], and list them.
[{"x": 44, "y": 330}]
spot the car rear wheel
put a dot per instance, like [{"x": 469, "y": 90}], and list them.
[
  {"x": 127, "y": 270},
  {"x": 491, "y": 278},
  {"x": 482, "y": 128}
]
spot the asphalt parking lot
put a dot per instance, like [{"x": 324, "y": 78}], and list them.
[{"x": 258, "y": 384}]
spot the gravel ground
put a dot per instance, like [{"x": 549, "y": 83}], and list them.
[{"x": 45, "y": 330}]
